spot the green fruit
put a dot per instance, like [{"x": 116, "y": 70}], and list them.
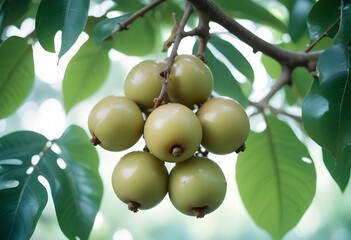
[
  {"x": 140, "y": 180},
  {"x": 172, "y": 132},
  {"x": 197, "y": 186},
  {"x": 225, "y": 125},
  {"x": 191, "y": 81},
  {"x": 116, "y": 123},
  {"x": 143, "y": 83}
]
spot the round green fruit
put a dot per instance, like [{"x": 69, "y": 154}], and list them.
[
  {"x": 225, "y": 125},
  {"x": 116, "y": 123},
  {"x": 143, "y": 83},
  {"x": 140, "y": 180},
  {"x": 197, "y": 186},
  {"x": 191, "y": 81},
  {"x": 172, "y": 132}
]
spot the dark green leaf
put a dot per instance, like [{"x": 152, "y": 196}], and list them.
[
  {"x": 340, "y": 171},
  {"x": 234, "y": 56},
  {"x": 106, "y": 27},
  {"x": 253, "y": 11},
  {"x": 326, "y": 110},
  {"x": 224, "y": 82},
  {"x": 69, "y": 16},
  {"x": 16, "y": 74},
  {"x": 275, "y": 181},
  {"x": 344, "y": 33},
  {"x": 10, "y": 11},
  {"x": 142, "y": 38},
  {"x": 297, "y": 19},
  {"x": 22, "y": 197},
  {"x": 323, "y": 16},
  {"x": 77, "y": 187},
  {"x": 84, "y": 74}
]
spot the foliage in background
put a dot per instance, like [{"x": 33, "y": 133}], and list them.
[{"x": 275, "y": 176}]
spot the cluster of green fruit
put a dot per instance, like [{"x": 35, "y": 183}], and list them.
[{"x": 174, "y": 132}]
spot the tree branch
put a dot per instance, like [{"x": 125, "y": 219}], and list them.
[{"x": 290, "y": 58}]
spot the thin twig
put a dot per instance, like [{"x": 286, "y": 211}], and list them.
[
  {"x": 140, "y": 13},
  {"x": 167, "y": 71},
  {"x": 326, "y": 33}
]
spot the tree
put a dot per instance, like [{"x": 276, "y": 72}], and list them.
[{"x": 308, "y": 61}]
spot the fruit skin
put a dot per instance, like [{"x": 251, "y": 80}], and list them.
[
  {"x": 140, "y": 177},
  {"x": 197, "y": 183},
  {"x": 191, "y": 81},
  {"x": 225, "y": 125},
  {"x": 172, "y": 126},
  {"x": 116, "y": 122},
  {"x": 143, "y": 83}
]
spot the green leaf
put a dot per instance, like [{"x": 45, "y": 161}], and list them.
[
  {"x": 275, "y": 182},
  {"x": 253, "y": 11},
  {"x": 297, "y": 19},
  {"x": 340, "y": 171},
  {"x": 344, "y": 33},
  {"x": 142, "y": 38},
  {"x": 84, "y": 74},
  {"x": 326, "y": 111},
  {"x": 16, "y": 74},
  {"x": 224, "y": 82},
  {"x": 69, "y": 16},
  {"x": 10, "y": 11},
  {"x": 127, "y": 6},
  {"x": 76, "y": 188},
  {"x": 301, "y": 84},
  {"x": 233, "y": 55},
  {"x": 106, "y": 27},
  {"x": 323, "y": 16},
  {"x": 22, "y": 197},
  {"x": 72, "y": 172}
]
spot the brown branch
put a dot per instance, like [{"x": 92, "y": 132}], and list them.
[
  {"x": 140, "y": 13},
  {"x": 261, "y": 106},
  {"x": 290, "y": 58},
  {"x": 167, "y": 71}
]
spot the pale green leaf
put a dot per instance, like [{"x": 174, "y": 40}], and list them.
[
  {"x": 275, "y": 177},
  {"x": 16, "y": 74}
]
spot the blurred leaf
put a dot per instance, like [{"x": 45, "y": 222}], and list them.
[
  {"x": 76, "y": 188},
  {"x": 128, "y": 6},
  {"x": 326, "y": 110},
  {"x": 297, "y": 18},
  {"x": 323, "y": 15},
  {"x": 224, "y": 82},
  {"x": 85, "y": 74},
  {"x": 275, "y": 183},
  {"x": 10, "y": 11},
  {"x": 344, "y": 33},
  {"x": 142, "y": 38},
  {"x": 251, "y": 10},
  {"x": 69, "y": 16},
  {"x": 72, "y": 173},
  {"x": 301, "y": 84},
  {"x": 234, "y": 56},
  {"x": 16, "y": 74},
  {"x": 22, "y": 197},
  {"x": 106, "y": 27},
  {"x": 340, "y": 171}
]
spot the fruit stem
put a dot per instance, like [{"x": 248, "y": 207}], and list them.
[
  {"x": 177, "y": 150},
  {"x": 133, "y": 206},
  {"x": 199, "y": 212},
  {"x": 94, "y": 140}
]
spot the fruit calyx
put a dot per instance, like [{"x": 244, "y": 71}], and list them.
[
  {"x": 133, "y": 206},
  {"x": 199, "y": 212},
  {"x": 241, "y": 148},
  {"x": 177, "y": 150},
  {"x": 94, "y": 140}
]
